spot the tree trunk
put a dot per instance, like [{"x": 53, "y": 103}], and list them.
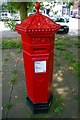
[{"x": 23, "y": 10}]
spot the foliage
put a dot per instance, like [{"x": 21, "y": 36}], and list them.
[
  {"x": 13, "y": 79},
  {"x": 67, "y": 46},
  {"x": 69, "y": 57},
  {"x": 61, "y": 44},
  {"x": 11, "y": 24},
  {"x": 22, "y": 7},
  {"x": 58, "y": 105},
  {"x": 13, "y": 7},
  {"x": 19, "y": 50},
  {"x": 9, "y": 44},
  {"x": 6, "y": 6},
  {"x": 0, "y": 44},
  {"x": 14, "y": 71},
  {"x": 6, "y": 58},
  {"x": 8, "y": 105},
  {"x": 70, "y": 4},
  {"x": 76, "y": 95},
  {"x": 78, "y": 43}
]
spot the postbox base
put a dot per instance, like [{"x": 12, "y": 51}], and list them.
[{"x": 39, "y": 107}]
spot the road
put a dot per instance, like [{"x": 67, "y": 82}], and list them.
[{"x": 74, "y": 29}]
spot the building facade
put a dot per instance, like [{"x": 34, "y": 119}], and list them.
[
  {"x": 76, "y": 7},
  {"x": 59, "y": 8}
]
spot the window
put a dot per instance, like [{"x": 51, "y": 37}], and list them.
[
  {"x": 60, "y": 20},
  {"x": 5, "y": 14},
  {"x": 2, "y": 14}
]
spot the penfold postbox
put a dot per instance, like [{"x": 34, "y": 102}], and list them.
[{"x": 38, "y": 35}]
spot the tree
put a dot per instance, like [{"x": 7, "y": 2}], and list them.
[
  {"x": 71, "y": 3},
  {"x": 23, "y": 7}
]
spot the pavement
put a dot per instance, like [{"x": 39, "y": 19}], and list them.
[
  {"x": 9, "y": 34},
  {"x": 14, "y": 97},
  {"x": 5, "y": 32},
  {"x": 64, "y": 82}
]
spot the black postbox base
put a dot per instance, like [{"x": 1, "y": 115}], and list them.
[{"x": 39, "y": 107}]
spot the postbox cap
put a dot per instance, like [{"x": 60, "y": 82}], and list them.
[{"x": 37, "y": 24}]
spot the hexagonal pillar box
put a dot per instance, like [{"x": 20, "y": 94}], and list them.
[{"x": 38, "y": 34}]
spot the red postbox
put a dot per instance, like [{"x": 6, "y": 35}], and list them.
[{"x": 38, "y": 34}]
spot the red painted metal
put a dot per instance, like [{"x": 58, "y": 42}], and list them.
[{"x": 38, "y": 34}]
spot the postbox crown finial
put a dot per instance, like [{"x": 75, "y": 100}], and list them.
[{"x": 37, "y": 6}]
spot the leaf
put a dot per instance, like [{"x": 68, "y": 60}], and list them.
[
  {"x": 13, "y": 80},
  {"x": 8, "y": 105}
]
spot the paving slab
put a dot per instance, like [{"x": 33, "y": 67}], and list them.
[
  {"x": 20, "y": 111},
  {"x": 9, "y": 34}
]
